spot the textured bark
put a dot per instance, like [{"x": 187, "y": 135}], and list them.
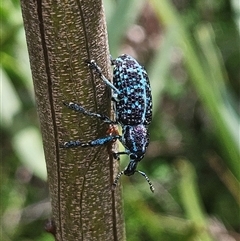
[{"x": 61, "y": 35}]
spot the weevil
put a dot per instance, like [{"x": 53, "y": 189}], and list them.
[{"x": 131, "y": 95}]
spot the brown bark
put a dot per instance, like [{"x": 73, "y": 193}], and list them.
[{"x": 61, "y": 35}]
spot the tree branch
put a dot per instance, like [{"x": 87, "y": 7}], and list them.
[{"x": 61, "y": 36}]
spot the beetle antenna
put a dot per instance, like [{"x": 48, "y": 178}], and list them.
[
  {"x": 147, "y": 179},
  {"x": 142, "y": 173},
  {"x": 117, "y": 179}
]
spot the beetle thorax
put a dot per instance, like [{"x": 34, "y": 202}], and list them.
[{"x": 135, "y": 139}]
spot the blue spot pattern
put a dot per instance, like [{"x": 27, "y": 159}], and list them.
[{"x": 131, "y": 79}]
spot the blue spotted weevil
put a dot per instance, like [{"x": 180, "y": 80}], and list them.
[{"x": 131, "y": 94}]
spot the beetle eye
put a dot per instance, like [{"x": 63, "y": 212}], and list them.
[{"x": 133, "y": 156}]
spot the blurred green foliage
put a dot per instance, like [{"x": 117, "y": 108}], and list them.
[{"x": 191, "y": 52}]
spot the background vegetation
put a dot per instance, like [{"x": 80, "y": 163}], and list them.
[{"x": 191, "y": 52}]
